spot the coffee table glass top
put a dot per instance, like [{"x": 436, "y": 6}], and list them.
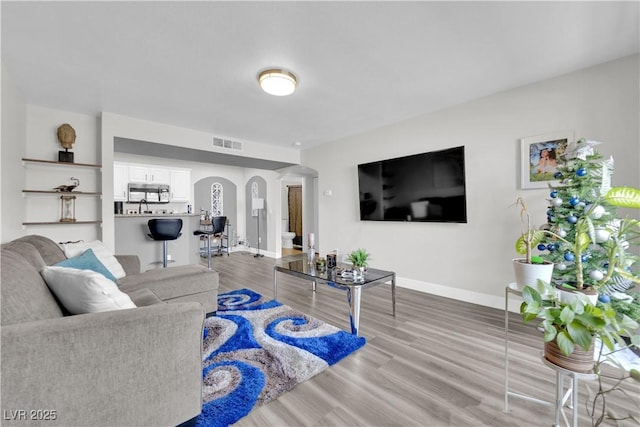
[{"x": 335, "y": 275}]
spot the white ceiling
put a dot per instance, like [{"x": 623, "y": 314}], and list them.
[{"x": 360, "y": 65}]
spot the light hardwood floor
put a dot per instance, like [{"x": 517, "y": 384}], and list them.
[{"x": 439, "y": 362}]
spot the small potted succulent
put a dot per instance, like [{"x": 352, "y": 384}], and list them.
[{"x": 359, "y": 258}]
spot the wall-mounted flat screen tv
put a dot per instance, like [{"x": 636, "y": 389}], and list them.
[{"x": 426, "y": 187}]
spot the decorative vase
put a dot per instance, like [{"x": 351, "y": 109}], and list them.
[
  {"x": 578, "y": 361},
  {"x": 528, "y": 274}
]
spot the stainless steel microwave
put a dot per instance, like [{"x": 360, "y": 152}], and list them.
[{"x": 152, "y": 193}]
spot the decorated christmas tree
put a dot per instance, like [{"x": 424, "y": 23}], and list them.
[{"x": 587, "y": 242}]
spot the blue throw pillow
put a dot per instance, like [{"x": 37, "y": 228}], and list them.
[{"x": 87, "y": 261}]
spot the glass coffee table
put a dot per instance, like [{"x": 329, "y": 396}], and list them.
[{"x": 334, "y": 278}]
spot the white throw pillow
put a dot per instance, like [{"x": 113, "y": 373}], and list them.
[
  {"x": 100, "y": 250},
  {"x": 85, "y": 291}
]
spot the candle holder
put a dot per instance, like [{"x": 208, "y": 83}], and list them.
[{"x": 311, "y": 254}]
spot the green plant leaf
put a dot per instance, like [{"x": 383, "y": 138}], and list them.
[
  {"x": 530, "y": 295},
  {"x": 627, "y": 323},
  {"x": 550, "y": 331},
  {"x": 591, "y": 230},
  {"x": 567, "y": 315},
  {"x": 579, "y": 334},
  {"x": 607, "y": 341},
  {"x": 582, "y": 241},
  {"x": 564, "y": 343},
  {"x": 624, "y": 197},
  {"x": 591, "y": 321},
  {"x": 532, "y": 236}
]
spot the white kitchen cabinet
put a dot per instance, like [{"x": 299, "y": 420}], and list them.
[
  {"x": 120, "y": 181},
  {"x": 149, "y": 175},
  {"x": 180, "y": 185}
]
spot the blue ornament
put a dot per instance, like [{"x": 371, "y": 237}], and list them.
[
  {"x": 542, "y": 247},
  {"x": 549, "y": 212},
  {"x": 574, "y": 201},
  {"x": 572, "y": 219},
  {"x": 606, "y": 265},
  {"x": 604, "y": 298},
  {"x": 568, "y": 256},
  {"x": 581, "y": 172},
  {"x": 553, "y": 194},
  {"x": 552, "y": 247},
  {"x": 557, "y": 175},
  {"x": 584, "y": 257}
]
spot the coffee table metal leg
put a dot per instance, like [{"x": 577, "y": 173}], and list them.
[
  {"x": 275, "y": 283},
  {"x": 353, "y": 297},
  {"x": 393, "y": 294},
  {"x": 209, "y": 251},
  {"x": 313, "y": 285}
]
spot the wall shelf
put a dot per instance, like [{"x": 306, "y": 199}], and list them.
[
  {"x": 53, "y": 192},
  {"x": 53, "y": 162},
  {"x": 61, "y": 223},
  {"x": 63, "y": 193}
]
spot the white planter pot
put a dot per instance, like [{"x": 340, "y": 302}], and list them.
[
  {"x": 528, "y": 274},
  {"x": 567, "y": 296}
]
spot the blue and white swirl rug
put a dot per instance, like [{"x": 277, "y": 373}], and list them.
[{"x": 256, "y": 349}]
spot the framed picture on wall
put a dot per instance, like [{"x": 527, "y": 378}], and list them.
[{"x": 540, "y": 158}]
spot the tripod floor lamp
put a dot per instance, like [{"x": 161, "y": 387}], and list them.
[{"x": 258, "y": 205}]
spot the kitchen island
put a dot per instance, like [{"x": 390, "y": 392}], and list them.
[{"x": 132, "y": 238}]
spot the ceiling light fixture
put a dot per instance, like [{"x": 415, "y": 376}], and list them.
[{"x": 277, "y": 82}]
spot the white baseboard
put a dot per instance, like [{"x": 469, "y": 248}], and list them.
[{"x": 460, "y": 294}]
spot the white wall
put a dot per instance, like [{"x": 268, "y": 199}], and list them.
[
  {"x": 472, "y": 261},
  {"x": 12, "y": 177}
]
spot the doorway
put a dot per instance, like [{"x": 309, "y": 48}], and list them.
[{"x": 294, "y": 207}]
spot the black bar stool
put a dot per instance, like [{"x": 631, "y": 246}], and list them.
[
  {"x": 165, "y": 229},
  {"x": 217, "y": 230}
]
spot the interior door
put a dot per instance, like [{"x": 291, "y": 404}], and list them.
[{"x": 295, "y": 212}]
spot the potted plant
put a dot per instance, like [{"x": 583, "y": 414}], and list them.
[
  {"x": 573, "y": 326},
  {"x": 359, "y": 258},
  {"x": 530, "y": 269},
  {"x": 570, "y": 332}
]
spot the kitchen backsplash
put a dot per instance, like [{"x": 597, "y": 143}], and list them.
[{"x": 129, "y": 208}]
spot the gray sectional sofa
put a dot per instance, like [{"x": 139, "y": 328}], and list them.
[{"x": 133, "y": 367}]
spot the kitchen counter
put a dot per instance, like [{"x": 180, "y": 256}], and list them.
[
  {"x": 155, "y": 215},
  {"x": 132, "y": 238}
]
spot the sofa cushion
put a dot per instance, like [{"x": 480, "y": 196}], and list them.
[
  {"x": 101, "y": 251},
  {"x": 49, "y": 250},
  {"x": 87, "y": 261},
  {"x": 85, "y": 291},
  {"x": 144, "y": 297},
  {"x": 25, "y": 296},
  {"x": 28, "y": 251},
  {"x": 172, "y": 282}
]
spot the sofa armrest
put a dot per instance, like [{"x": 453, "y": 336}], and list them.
[
  {"x": 130, "y": 264},
  {"x": 134, "y": 367}
]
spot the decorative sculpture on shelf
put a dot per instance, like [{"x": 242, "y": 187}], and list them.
[
  {"x": 66, "y": 137},
  {"x": 67, "y": 208},
  {"x": 68, "y": 188}
]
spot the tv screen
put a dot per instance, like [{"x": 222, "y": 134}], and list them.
[{"x": 427, "y": 187}]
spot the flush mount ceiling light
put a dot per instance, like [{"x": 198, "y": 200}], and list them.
[{"x": 277, "y": 82}]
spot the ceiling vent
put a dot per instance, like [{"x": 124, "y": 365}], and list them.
[{"x": 227, "y": 143}]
